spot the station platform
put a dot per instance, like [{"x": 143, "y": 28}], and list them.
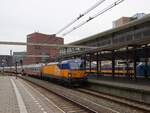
[
  {"x": 17, "y": 96},
  {"x": 138, "y": 90},
  {"x": 140, "y": 84}
]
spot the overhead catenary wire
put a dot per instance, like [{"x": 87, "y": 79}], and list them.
[
  {"x": 81, "y": 15},
  {"x": 96, "y": 15}
]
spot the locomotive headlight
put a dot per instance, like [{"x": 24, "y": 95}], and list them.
[{"x": 69, "y": 75}]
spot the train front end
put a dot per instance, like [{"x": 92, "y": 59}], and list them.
[{"x": 75, "y": 73}]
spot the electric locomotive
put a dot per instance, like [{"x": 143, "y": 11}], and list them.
[{"x": 69, "y": 71}]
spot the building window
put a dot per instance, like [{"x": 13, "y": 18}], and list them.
[{"x": 37, "y": 47}]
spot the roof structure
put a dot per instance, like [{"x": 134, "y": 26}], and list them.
[{"x": 113, "y": 30}]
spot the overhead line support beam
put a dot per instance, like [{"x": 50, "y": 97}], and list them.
[{"x": 44, "y": 44}]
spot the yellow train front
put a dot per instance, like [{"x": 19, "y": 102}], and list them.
[{"x": 68, "y": 71}]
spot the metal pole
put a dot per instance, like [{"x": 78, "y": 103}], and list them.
[
  {"x": 90, "y": 62},
  {"x": 97, "y": 63},
  {"x": 127, "y": 62},
  {"x": 85, "y": 62},
  {"x": 113, "y": 64},
  {"x": 66, "y": 50},
  {"x": 146, "y": 68},
  {"x": 135, "y": 63},
  {"x": 22, "y": 70},
  {"x": 100, "y": 64},
  {"x": 146, "y": 62},
  {"x": 16, "y": 69}
]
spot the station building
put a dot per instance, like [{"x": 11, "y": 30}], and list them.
[
  {"x": 36, "y": 50},
  {"x": 6, "y": 60}
]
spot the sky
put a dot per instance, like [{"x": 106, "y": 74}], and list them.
[{"x": 18, "y": 18}]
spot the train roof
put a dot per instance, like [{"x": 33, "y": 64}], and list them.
[
  {"x": 52, "y": 63},
  {"x": 71, "y": 60}
]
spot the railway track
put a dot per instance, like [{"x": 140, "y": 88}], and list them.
[
  {"x": 72, "y": 96},
  {"x": 62, "y": 103},
  {"x": 89, "y": 101},
  {"x": 145, "y": 108}
]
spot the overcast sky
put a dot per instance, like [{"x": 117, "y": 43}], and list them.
[{"x": 21, "y": 17}]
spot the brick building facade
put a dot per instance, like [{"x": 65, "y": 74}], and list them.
[
  {"x": 121, "y": 21},
  {"x": 124, "y": 20},
  {"x": 41, "y": 50}
]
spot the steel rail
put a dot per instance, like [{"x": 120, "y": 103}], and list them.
[
  {"x": 117, "y": 99},
  {"x": 61, "y": 95}
]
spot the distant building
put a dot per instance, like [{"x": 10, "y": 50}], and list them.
[
  {"x": 17, "y": 56},
  {"x": 41, "y": 50},
  {"x": 138, "y": 15},
  {"x": 124, "y": 20},
  {"x": 6, "y": 60},
  {"x": 121, "y": 21}
]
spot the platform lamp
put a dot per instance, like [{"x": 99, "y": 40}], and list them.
[
  {"x": 16, "y": 68},
  {"x": 21, "y": 63}
]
